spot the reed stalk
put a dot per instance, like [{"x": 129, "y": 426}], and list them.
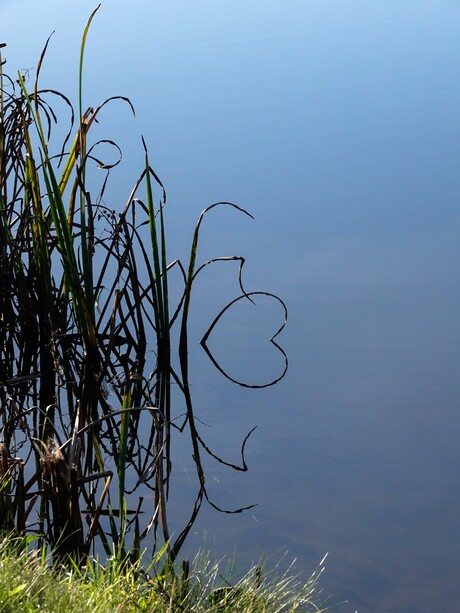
[{"x": 86, "y": 416}]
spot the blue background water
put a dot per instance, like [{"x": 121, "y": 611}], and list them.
[{"x": 337, "y": 124}]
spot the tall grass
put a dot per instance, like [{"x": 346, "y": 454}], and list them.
[
  {"x": 27, "y": 583},
  {"x": 84, "y": 299}
]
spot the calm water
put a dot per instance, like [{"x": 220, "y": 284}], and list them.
[{"x": 338, "y": 126}]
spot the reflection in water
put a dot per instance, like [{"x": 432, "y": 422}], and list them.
[{"x": 336, "y": 125}]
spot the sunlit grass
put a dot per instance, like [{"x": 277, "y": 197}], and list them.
[{"x": 29, "y": 584}]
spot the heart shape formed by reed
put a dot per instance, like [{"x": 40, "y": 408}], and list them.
[{"x": 272, "y": 341}]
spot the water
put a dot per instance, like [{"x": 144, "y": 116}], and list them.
[{"x": 338, "y": 126}]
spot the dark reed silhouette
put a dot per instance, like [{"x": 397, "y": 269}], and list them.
[{"x": 84, "y": 305}]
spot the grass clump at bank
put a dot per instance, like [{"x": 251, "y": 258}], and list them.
[{"x": 28, "y": 583}]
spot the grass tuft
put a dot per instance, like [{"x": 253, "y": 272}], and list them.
[{"x": 28, "y": 584}]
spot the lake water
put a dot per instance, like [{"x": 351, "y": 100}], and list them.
[{"x": 337, "y": 125}]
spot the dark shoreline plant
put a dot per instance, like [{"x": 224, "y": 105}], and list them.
[{"x": 82, "y": 295}]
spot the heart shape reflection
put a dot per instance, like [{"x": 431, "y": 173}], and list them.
[{"x": 247, "y": 296}]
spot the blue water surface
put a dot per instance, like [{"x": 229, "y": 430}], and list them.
[{"x": 337, "y": 125}]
